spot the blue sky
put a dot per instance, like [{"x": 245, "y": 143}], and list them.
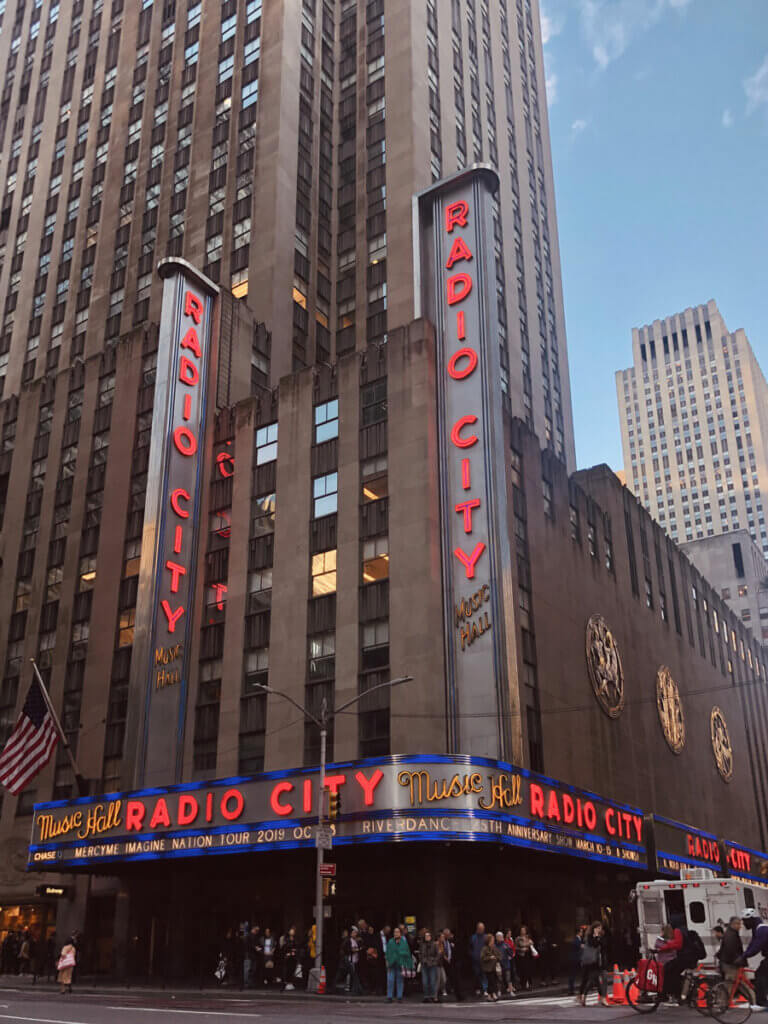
[{"x": 659, "y": 122}]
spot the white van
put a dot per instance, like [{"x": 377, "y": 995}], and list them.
[{"x": 700, "y": 900}]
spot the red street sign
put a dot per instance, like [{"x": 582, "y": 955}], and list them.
[{"x": 327, "y": 870}]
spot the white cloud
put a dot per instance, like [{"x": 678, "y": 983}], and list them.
[
  {"x": 756, "y": 87},
  {"x": 551, "y": 84},
  {"x": 578, "y": 126},
  {"x": 727, "y": 119},
  {"x": 550, "y": 25},
  {"x": 610, "y": 25}
]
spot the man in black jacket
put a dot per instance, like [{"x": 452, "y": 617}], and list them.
[{"x": 731, "y": 957}]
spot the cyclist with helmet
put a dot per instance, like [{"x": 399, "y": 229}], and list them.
[{"x": 759, "y": 944}]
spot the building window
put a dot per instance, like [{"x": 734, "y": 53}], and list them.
[
  {"x": 87, "y": 573},
  {"x": 326, "y": 421},
  {"x": 125, "y": 628},
  {"x": 325, "y": 494},
  {"x": 322, "y": 656},
  {"x": 743, "y": 590},
  {"x": 376, "y": 559},
  {"x": 266, "y": 444},
  {"x": 725, "y": 593},
  {"x": 546, "y": 488},
  {"x": 374, "y": 402},
  {"x": 324, "y": 573},
  {"x": 256, "y": 667},
  {"x": 374, "y": 479}
]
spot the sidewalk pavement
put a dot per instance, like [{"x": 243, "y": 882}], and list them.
[{"x": 95, "y": 986}]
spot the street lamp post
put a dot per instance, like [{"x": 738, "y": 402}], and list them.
[{"x": 322, "y": 725}]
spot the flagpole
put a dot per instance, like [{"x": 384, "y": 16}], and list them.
[{"x": 81, "y": 782}]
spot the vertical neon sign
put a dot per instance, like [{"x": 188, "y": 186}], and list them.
[
  {"x": 164, "y": 607},
  {"x": 455, "y": 285}
]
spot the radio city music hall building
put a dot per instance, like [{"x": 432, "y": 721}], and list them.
[
  {"x": 576, "y": 685},
  {"x": 235, "y": 481}
]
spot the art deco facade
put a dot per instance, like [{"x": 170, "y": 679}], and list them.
[
  {"x": 278, "y": 149},
  {"x": 276, "y": 146},
  {"x": 693, "y": 410}
]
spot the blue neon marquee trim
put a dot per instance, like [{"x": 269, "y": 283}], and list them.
[{"x": 684, "y": 828}]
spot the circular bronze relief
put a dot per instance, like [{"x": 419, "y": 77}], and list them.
[
  {"x": 604, "y": 664},
  {"x": 670, "y": 708},
  {"x": 721, "y": 744}
]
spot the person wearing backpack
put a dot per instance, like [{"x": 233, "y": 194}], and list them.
[
  {"x": 592, "y": 963},
  {"x": 759, "y": 944},
  {"x": 688, "y": 949}
]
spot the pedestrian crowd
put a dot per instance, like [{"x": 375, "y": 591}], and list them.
[
  {"x": 392, "y": 961},
  {"x": 22, "y": 953}
]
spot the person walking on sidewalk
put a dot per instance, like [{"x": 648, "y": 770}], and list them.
[
  {"x": 592, "y": 964},
  {"x": 476, "y": 944},
  {"x": 66, "y": 966},
  {"x": 399, "y": 959},
  {"x": 490, "y": 962},
  {"x": 429, "y": 958}
]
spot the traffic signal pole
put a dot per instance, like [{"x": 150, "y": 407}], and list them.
[{"x": 319, "y": 909}]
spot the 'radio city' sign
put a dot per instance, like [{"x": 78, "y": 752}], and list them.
[
  {"x": 457, "y": 285},
  {"x": 160, "y": 661},
  {"x": 382, "y": 799}
]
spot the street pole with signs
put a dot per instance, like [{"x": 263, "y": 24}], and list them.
[{"x": 323, "y": 840}]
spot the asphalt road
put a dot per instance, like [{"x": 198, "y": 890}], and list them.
[{"x": 119, "y": 1007}]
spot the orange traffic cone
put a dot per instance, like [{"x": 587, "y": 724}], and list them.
[
  {"x": 321, "y": 982},
  {"x": 618, "y": 997}
]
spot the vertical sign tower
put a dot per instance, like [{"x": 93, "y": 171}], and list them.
[
  {"x": 455, "y": 289},
  {"x": 164, "y": 607}
]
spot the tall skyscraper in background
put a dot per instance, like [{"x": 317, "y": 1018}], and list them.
[
  {"x": 277, "y": 146},
  {"x": 694, "y": 424}
]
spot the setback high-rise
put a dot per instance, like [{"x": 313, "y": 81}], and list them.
[{"x": 693, "y": 410}]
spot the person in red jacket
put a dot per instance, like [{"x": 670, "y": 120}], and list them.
[{"x": 683, "y": 960}]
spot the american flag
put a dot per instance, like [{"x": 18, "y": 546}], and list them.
[{"x": 31, "y": 743}]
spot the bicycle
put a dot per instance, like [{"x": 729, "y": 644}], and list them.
[
  {"x": 645, "y": 992},
  {"x": 731, "y": 1001}
]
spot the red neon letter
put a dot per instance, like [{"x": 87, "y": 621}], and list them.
[
  {"x": 307, "y": 795},
  {"x": 456, "y": 213},
  {"x": 369, "y": 785},
  {"x": 466, "y": 507},
  {"x": 466, "y": 482},
  {"x": 468, "y": 561},
  {"x": 463, "y": 353},
  {"x": 553, "y": 807},
  {"x": 590, "y": 815},
  {"x": 456, "y": 429},
  {"x": 219, "y": 590},
  {"x": 332, "y": 782},
  {"x": 610, "y": 827},
  {"x": 190, "y": 341},
  {"x": 185, "y": 440},
  {"x": 637, "y": 821},
  {"x": 193, "y": 307},
  {"x": 458, "y": 280},
  {"x": 569, "y": 811},
  {"x": 134, "y": 816},
  {"x": 188, "y": 372},
  {"x": 176, "y": 497},
  {"x": 232, "y": 813},
  {"x": 176, "y": 572},
  {"x": 160, "y": 815},
  {"x": 187, "y": 809},
  {"x": 226, "y": 464},
  {"x": 537, "y": 799},
  {"x": 459, "y": 251},
  {"x": 172, "y": 616},
  {"x": 274, "y": 800},
  {"x": 177, "y": 537}
]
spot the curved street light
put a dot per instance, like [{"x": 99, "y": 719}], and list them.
[{"x": 322, "y": 724}]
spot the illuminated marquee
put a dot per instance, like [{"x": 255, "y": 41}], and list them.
[
  {"x": 456, "y": 285},
  {"x": 383, "y": 799},
  {"x": 159, "y": 665}
]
